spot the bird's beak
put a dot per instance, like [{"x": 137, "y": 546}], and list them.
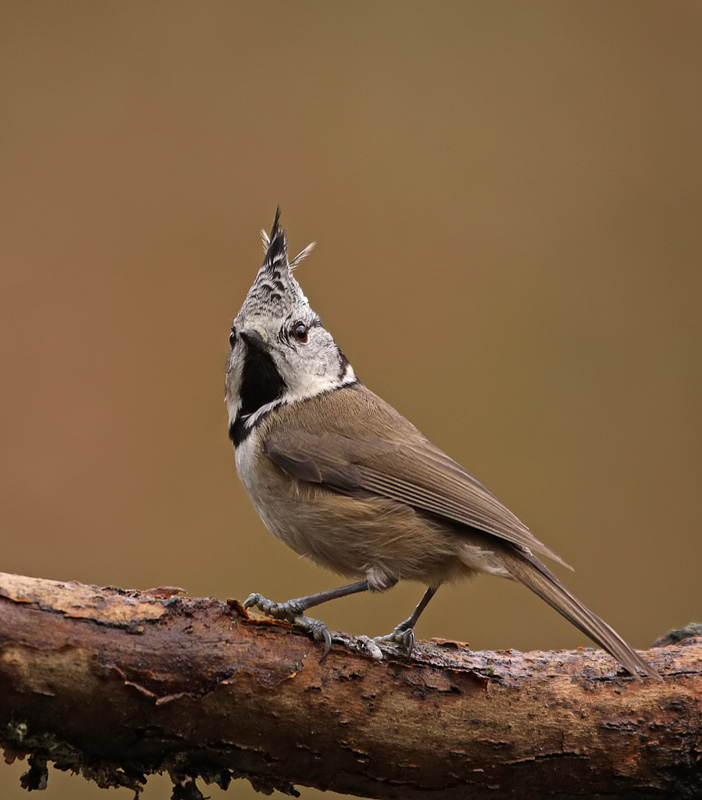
[{"x": 253, "y": 339}]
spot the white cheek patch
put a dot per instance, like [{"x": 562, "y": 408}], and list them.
[
  {"x": 312, "y": 385},
  {"x": 349, "y": 376}
]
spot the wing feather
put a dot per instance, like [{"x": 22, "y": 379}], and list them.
[{"x": 408, "y": 469}]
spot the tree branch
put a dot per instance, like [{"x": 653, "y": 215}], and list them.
[{"x": 118, "y": 684}]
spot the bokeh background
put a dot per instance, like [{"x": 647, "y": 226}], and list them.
[{"x": 507, "y": 202}]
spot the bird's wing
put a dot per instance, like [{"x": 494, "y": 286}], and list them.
[{"x": 411, "y": 471}]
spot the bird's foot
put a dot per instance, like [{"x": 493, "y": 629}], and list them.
[
  {"x": 291, "y": 611},
  {"x": 402, "y": 636}
]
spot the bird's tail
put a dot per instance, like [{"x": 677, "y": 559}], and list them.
[{"x": 527, "y": 569}]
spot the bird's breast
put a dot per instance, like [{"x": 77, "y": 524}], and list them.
[{"x": 272, "y": 492}]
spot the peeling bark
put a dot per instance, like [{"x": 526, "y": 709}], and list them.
[{"x": 118, "y": 684}]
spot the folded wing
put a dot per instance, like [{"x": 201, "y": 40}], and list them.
[{"x": 413, "y": 471}]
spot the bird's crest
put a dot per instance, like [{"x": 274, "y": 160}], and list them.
[
  {"x": 275, "y": 292},
  {"x": 275, "y": 246}
]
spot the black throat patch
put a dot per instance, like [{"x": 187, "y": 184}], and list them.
[{"x": 261, "y": 383}]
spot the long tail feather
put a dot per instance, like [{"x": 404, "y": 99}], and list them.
[{"x": 527, "y": 569}]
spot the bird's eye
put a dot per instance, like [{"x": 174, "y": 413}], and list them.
[
  {"x": 300, "y": 331},
  {"x": 232, "y": 338}
]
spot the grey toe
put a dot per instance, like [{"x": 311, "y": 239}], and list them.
[{"x": 403, "y": 637}]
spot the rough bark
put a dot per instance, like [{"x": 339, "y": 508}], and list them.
[{"x": 119, "y": 684}]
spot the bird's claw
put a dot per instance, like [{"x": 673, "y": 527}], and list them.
[
  {"x": 318, "y": 630},
  {"x": 292, "y": 612},
  {"x": 288, "y": 611},
  {"x": 402, "y": 636}
]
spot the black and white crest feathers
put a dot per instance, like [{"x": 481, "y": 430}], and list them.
[
  {"x": 275, "y": 246},
  {"x": 274, "y": 293}
]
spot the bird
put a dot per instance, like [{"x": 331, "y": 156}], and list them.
[{"x": 343, "y": 479}]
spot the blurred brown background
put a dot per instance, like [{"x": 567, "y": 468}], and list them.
[{"x": 507, "y": 200}]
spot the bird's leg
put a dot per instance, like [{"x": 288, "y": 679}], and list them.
[
  {"x": 293, "y": 610},
  {"x": 403, "y": 635}
]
